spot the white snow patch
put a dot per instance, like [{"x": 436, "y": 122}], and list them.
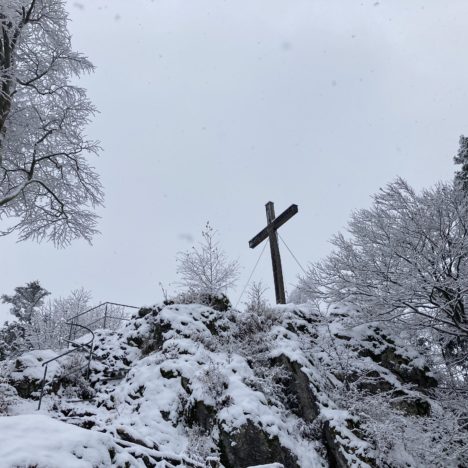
[
  {"x": 30, "y": 365},
  {"x": 270, "y": 465},
  {"x": 40, "y": 441}
]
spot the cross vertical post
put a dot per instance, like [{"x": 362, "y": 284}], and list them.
[
  {"x": 275, "y": 255},
  {"x": 273, "y": 224}
]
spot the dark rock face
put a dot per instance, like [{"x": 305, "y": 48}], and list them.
[
  {"x": 335, "y": 451},
  {"x": 221, "y": 303},
  {"x": 144, "y": 311},
  {"x": 338, "y": 450},
  {"x": 201, "y": 415},
  {"x": 250, "y": 445},
  {"x": 299, "y": 396},
  {"x": 30, "y": 388},
  {"x": 414, "y": 407},
  {"x": 301, "y": 400},
  {"x": 387, "y": 356},
  {"x": 373, "y": 383},
  {"x": 26, "y": 386},
  {"x": 168, "y": 373},
  {"x": 128, "y": 437},
  {"x": 336, "y": 447},
  {"x": 370, "y": 382},
  {"x": 390, "y": 359},
  {"x": 155, "y": 343},
  {"x": 139, "y": 337}
]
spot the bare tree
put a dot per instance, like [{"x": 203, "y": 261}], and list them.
[
  {"x": 50, "y": 324},
  {"x": 205, "y": 269},
  {"x": 48, "y": 190},
  {"x": 256, "y": 301}
]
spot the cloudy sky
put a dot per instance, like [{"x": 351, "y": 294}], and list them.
[{"x": 210, "y": 108}]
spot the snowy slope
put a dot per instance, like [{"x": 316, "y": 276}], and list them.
[{"x": 181, "y": 384}]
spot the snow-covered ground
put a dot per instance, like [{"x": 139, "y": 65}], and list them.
[
  {"x": 43, "y": 442},
  {"x": 183, "y": 383}
]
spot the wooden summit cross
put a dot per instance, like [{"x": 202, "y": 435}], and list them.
[{"x": 270, "y": 232}]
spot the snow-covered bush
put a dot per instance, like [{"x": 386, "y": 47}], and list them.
[
  {"x": 256, "y": 302},
  {"x": 219, "y": 301},
  {"x": 8, "y": 394},
  {"x": 201, "y": 445},
  {"x": 436, "y": 440},
  {"x": 248, "y": 334},
  {"x": 72, "y": 377},
  {"x": 382, "y": 381},
  {"x": 14, "y": 340},
  {"x": 214, "y": 380}
]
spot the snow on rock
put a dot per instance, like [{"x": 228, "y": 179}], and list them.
[
  {"x": 113, "y": 356},
  {"x": 40, "y": 441},
  {"x": 29, "y": 365},
  {"x": 188, "y": 392},
  {"x": 270, "y": 465},
  {"x": 187, "y": 385},
  {"x": 26, "y": 372}
]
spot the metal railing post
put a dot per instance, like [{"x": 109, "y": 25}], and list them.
[
  {"x": 42, "y": 388},
  {"x": 90, "y": 357},
  {"x": 78, "y": 347},
  {"x": 105, "y": 316},
  {"x": 71, "y": 331}
]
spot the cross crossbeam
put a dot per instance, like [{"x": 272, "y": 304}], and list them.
[
  {"x": 273, "y": 224},
  {"x": 276, "y": 224}
]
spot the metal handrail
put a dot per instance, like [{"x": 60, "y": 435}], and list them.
[
  {"x": 100, "y": 305},
  {"x": 73, "y": 320},
  {"x": 78, "y": 347}
]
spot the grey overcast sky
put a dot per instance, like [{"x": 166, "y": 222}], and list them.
[{"x": 210, "y": 108}]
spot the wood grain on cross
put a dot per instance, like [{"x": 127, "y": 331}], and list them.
[{"x": 270, "y": 233}]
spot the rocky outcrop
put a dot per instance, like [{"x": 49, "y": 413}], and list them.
[
  {"x": 397, "y": 370},
  {"x": 250, "y": 445},
  {"x": 201, "y": 415},
  {"x": 26, "y": 372},
  {"x": 299, "y": 397},
  {"x": 241, "y": 389},
  {"x": 383, "y": 350}
]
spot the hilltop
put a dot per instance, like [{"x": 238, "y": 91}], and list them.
[{"x": 193, "y": 385}]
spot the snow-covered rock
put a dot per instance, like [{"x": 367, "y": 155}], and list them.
[
  {"x": 187, "y": 385},
  {"x": 26, "y": 372}
]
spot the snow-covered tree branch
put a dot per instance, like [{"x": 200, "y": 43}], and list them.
[
  {"x": 26, "y": 301},
  {"x": 48, "y": 190},
  {"x": 404, "y": 260}
]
